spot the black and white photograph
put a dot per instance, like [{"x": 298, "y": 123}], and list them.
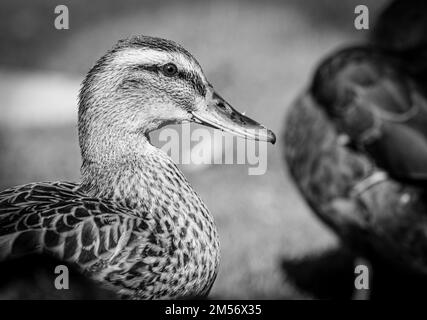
[{"x": 211, "y": 151}]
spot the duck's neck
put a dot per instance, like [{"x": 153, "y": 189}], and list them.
[
  {"x": 136, "y": 174},
  {"x": 144, "y": 180}
]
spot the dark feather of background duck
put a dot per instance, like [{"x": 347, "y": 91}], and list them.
[{"x": 402, "y": 27}]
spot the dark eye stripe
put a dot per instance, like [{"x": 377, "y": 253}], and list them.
[
  {"x": 192, "y": 78},
  {"x": 152, "y": 68}
]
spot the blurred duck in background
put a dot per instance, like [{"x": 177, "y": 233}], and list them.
[
  {"x": 401, "y": 26},
  {"x": 356, "y": 146},
  {"x": 134, "y": 223},
  {"x": 401, "y": 29}
]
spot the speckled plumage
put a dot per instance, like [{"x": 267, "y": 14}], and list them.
[
  {"x": 134, "y": 223},
  {"x": 163, "y": 247}
]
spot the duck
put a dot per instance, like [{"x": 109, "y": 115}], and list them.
[
  {"x": 376, "y": 107},
  {"x": 356, "y": 147},
  {"x": 133, "y": 223}
]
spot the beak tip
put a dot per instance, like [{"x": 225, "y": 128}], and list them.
[{"x": 271, "y": 137}]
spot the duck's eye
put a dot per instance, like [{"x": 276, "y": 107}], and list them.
[{"x": 170, "y": 69}]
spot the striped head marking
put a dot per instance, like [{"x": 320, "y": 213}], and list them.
[{"x": 144, "y": 83}]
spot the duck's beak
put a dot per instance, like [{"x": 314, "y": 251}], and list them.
[{"x": 219, "y": 114}]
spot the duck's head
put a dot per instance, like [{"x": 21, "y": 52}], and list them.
[{"x": 144, "y": 83}]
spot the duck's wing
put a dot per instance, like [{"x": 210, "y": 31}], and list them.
[
  {"x": 379, "y": 107},
  {"x": 388, "y": 120},
  {"x": 55, "y": 218},
  {"x": 387, "y": 220}
]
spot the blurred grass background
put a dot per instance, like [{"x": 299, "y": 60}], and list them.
[{"x": 258, "y": 55}]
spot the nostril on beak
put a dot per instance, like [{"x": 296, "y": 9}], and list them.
[{"x": 222, "y": 106}]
